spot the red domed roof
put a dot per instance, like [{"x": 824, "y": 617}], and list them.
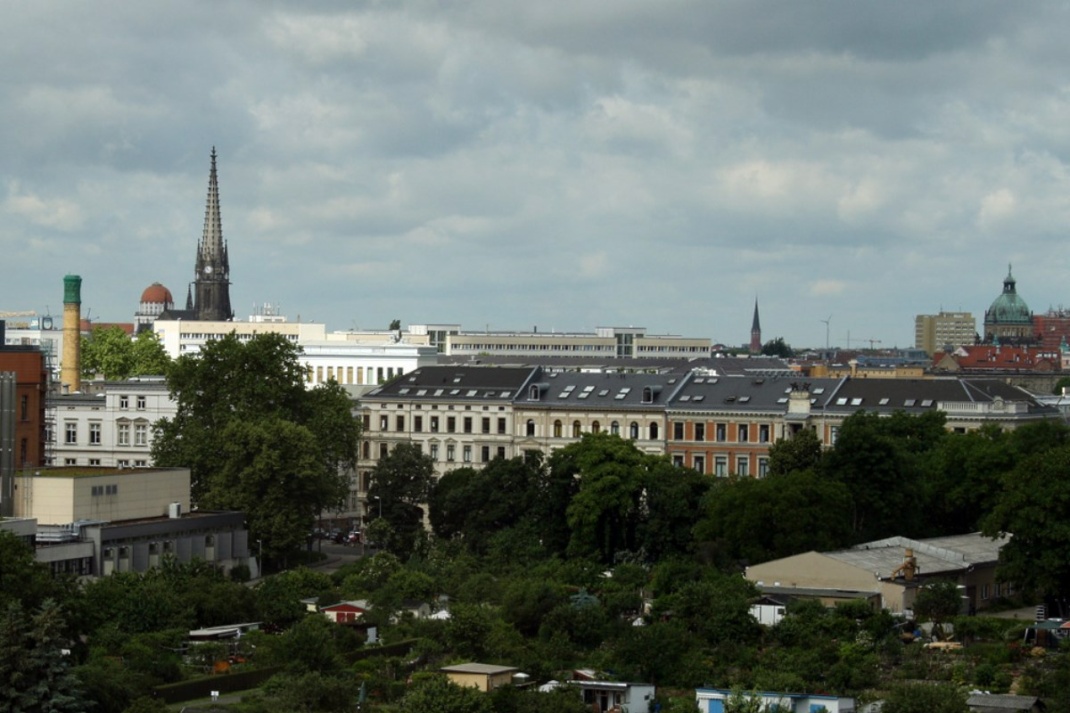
[{"x": 158, "y": 294}]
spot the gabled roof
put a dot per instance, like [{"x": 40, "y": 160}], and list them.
[
  {"x": 934, "y": 555},
  {"x": 479, "y": 668},
  {"x": 1002, "y": 702},
  {"x": 453, "y": 383},
  {"x": 702, "y": 392},
  {"x": 360, "y": 605},
  {"x": 916, "y": 396},
  {"x": 991, "y": 357},
  {"x": 577, "y": 390}
]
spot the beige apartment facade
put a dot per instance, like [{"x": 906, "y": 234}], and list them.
[
  {"x": 935, "y": 332},
  {"x": 559, "y": 408}
]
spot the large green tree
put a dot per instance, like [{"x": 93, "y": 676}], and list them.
[
  {"x": 604, "y": 514},
  {"x": 476, "y": 505},
  {"x": 25, "y": 580},
  {"x": 35, "y": 673},
  {"x": 800, "y": 452},
  {"x": 111, "y": 353},
  {"x": 400, "y": 487},
  {"x": 750, "y": 520},
  {"x": 882, "y": 462},
  {"x": 1034, "y": 508},
  {"x": 255, "y": 438}
]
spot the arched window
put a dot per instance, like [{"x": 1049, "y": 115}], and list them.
[
  {"x": 531, "y": 427},
  {"x": 557, "y": 429},
  {"x": 576, "y": 430},
  {"x": 633, "y": 431},
  {"x": 653, "y": 431},
  {"x": 614, "y": 428},
  {"x": 596, "y": 427}
]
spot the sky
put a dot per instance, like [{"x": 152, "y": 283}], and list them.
[{"x": 560, "y": 165}]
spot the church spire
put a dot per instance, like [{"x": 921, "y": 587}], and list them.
[
  {"x": 211, "y": 247},
  {"x": 756, "y": 331},
  {"x": 212, "y": 283}
]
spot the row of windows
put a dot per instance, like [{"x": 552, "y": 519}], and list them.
[
  {"x": 1000, "y": 589},
  {"x": 450, "y": 452},
  {"x": 634, "y": 431},
  {"x": 720, "y": 465},
  {"x": 122, "y": 434},
  {"x": 434, "y": 423},
  {"x": 720, "y": 432},
  {"x": 352, "y": 375},
  {"x": 498, "y": 347},
  {"x": 98, "y": 490},
  {"x": 121, "y": 463},
  {"x": 124, "y": 403}
]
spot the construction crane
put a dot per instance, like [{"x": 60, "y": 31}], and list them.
[{"x": 872, "y": 342}]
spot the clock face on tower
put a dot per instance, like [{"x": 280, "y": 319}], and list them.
[{"x": 208, "y": 269}]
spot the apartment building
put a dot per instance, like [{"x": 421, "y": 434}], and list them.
[
  {"x": 937, "y": 332},
  {"x": 110, "y": 425},
  {"x": 460, "y": 416},
  {"x": 558, "y": 408}
]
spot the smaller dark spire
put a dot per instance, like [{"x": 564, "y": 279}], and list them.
[{"x": 756, "y": 331}]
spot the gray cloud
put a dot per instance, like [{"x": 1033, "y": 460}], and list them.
[{"x": 566, "y": 165}]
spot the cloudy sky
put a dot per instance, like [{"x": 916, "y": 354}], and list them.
[{"x": 564, "y": 164}]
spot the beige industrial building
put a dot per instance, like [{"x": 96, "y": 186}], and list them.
[
  {"x": 56, "y": 496},
  {"x": 91, "y": 522},
  {"x": 893, "y": 569}
]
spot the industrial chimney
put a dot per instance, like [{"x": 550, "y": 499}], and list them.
[{"x": 71, "y": 371}]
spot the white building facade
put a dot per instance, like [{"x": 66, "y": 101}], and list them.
[{"x": 111, "y": 428}]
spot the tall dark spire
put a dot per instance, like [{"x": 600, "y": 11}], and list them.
[
  {"x": 212, "y": 278},
  {"x": 756, "y": 331},
  {"x": 212, "y": 246}
]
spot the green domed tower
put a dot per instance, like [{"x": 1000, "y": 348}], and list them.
[{"x": 1009, "y": 319}]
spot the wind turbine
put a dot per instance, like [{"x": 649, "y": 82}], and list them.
[{"x": 826, "y": 321}]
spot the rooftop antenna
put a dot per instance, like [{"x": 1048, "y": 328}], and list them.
[{"x": 826, "y": 321}]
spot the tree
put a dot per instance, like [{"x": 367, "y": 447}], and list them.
[
  {"x": 964, "y": 478},
  {"x": 434, "y": 693},
  {"x": 755, "y": 520},
  {"x": 800, "y": 452},
  {"x": 925, "y": 698},
  {"x": 254, "y": 437},
  {"x": 110, "y": 352},
  {"x": 671, "y": 497},
  {"x": 1034, "y": 507},
  {"x": 401, "y": 482},
  {"x": 476, "y": 505},
  {"x": 778, "y": 348},
  {"x": 880, "y": 459},
  {"x": 938, "y": 602},
  {"x": 603, "y": 516},
  {"x": 272, "y": 471},
  {"x": 35, "y": 672},
  {"x": 25, "y": 580},
  {"x": 395, "y": 324},
  {"x": 150, "y": 357}
]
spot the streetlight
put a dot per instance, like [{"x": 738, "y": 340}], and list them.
[{"x": 380, "y": 500}]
